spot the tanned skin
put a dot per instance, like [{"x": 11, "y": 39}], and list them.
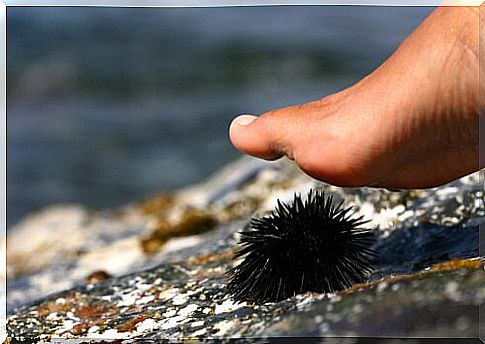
[{"x": 412, "y": 123}]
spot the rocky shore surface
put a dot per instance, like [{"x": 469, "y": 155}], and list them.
[{"x": 156, "y": 269}]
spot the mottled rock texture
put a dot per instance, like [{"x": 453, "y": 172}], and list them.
[{"x": 156, "y": 269}]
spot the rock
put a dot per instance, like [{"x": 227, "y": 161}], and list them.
[
  {"x": 428, "y": 280},
  {"x": 97, "y": 276}
]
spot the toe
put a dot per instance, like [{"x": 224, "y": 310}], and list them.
[{"x": 267, "y": 136}]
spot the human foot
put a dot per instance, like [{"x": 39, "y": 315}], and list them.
[{"x": 412, "y": 123}]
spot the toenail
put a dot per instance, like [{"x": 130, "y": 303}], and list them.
[{"x": 245, "y": 119}]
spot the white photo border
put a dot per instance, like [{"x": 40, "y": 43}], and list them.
[{"x": 194, "y": 3}]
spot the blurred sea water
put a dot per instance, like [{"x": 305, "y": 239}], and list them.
[{"x": 109, "y": 105}]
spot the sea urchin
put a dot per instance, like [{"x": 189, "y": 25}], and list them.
[{"x": 302, "y": 246}]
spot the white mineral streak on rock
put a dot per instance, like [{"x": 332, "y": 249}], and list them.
[
  {"x": 384, "y": 219},
  {"x": 172, "y": 322},
  {"x": 304, "y": 301},
  {"x": 143, "y": 286},
  {"x": 180, "y": 300},
  {"x": 168, "y": 294},
  {"x": 224, "y": 326},
  {"x": 145, "y": 299},
  {"x": 147, "y": 325},
  {"x": 128, "y": 299},
  {"x": 52, "y": 316},
  {"x": 200, "y": 332},
  {"x": 93, "y": 329},
  {"x": 334, "y": 297},
  {"x": 66, "y": 326},
  {"x": 170, "y": 313},
  {"x": 406, "y": 215},
  {"x": 444, "y": 192},
  {"x": 197, "y": 323},
  {"x": 188, "y": 310},
  {"x": 228, "y": 306},
  {"x": 108, "y": 334}
]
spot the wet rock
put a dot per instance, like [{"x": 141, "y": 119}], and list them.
[
  {"x": 428, "y": 280},
  {"x": 187, "y": 300}
]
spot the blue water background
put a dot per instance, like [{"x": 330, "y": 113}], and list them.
[{"x": 110, "y": 105}]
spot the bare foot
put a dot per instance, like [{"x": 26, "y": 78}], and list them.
[{"x": 412, "y": 123}]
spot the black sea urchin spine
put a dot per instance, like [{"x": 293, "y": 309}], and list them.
[{"x": 309, "y": 245}]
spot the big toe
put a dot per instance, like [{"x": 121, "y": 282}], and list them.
[{"x": 258, "y": 136}]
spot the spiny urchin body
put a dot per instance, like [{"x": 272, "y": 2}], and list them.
[{"x": 309, "y": 245}]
